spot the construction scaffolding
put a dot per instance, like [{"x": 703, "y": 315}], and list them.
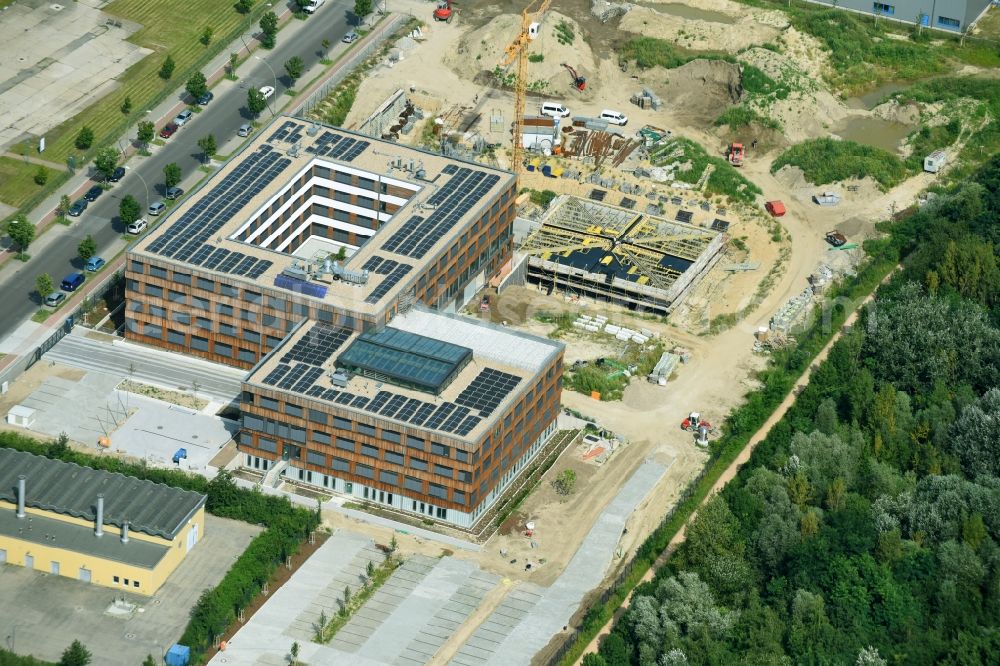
[{"x": 616, "y": 254}]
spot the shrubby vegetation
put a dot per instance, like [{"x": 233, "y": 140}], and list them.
[
  {"x": 866, "y": 527},
  {"x": 829, "y": 160},
  {"x": 724, "y": 180},
  {"x": 655, "y": 52},
  {"x": 287, "y": 526}
]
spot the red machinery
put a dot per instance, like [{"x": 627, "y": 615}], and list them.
[
  {"x": 735, "y": 154},
  {"x": 444, "y": 11},
  {"x": 579, "y": 82},
  {"x": 694, "y": 421}
]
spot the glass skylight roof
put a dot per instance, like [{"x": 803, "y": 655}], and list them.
[{"x": 406, "y": 359}]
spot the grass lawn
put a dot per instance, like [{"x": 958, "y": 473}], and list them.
[
  {"x": 170, "y": 26},
  {"x": 17, "y": 183}
]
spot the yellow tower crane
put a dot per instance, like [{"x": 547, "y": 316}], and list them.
[{"x": 518, "y": 50}]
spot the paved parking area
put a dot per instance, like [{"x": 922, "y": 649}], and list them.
[
  {"x": 41, "y": 614},
  {"x": 63, "y": 55},
  {"x": 92, "y": 407},
  {"x": 530, "y": 616}
]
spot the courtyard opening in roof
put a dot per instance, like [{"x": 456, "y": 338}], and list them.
[{"x": 405, "y": 359}]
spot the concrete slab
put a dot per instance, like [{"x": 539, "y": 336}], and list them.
[
  {"x": 26, "y": 331},
  {"x": 42, "y": 614}
]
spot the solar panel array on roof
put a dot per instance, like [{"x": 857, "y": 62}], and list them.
[
  {"x": 684, "y": 216},
  {"x": 338, "y": 146},
  {"x": 676, "y": 201},
  {"x": 627, "y": 203},
  {"x": 719, "y": 225},
  {"x": 410, "y": 359},
  {"x": 488, "y": 390},
  {"x": 185, "y": 239},
  {"x": 388, "y": 283},
  {"x": 283, "y": 132},
  {"x": 598, "y": 195},
  {"x": 464, "y": 190},
  {"x": 317, "y": 345}
]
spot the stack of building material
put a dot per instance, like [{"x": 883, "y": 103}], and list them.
[{"x": 792, "y": 311}]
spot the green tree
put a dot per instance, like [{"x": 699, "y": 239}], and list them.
[
  {"x": 145, "y": 132},
  {"x": 565, "y": 482},
  {"x": 206, "y": 35},
  {"x": 126, "y": 106},
  {"x": 167, "y": 68},
  {"x": 255, "y": 101},
  {"x": 294, "y": 651},
  {"x": 370, "y": 569},
  {"x": 75, "y": 655},
  {"x": 41, "y": 175},
  {"x": 87, "y": 248},
  {"x": 172, "y": 174},
  {"x": 269, "y": 30},
  {"x": 21, "y": 232},
  {"x": 129, "y": 210},
  {"x": 362, "y": 8},
  {"x": 234, "y": 58},
  {"x": 44, "y": 285},
  {"x": 196, "y": 86},
  {"x": 244, "y": 6},
  {"x": 64, "y": 205},
  {"x": 106, "y": 161},
  {"x": 326, "y": 47},
  {"x": 207, "y": 145},
  {"x": 294, "y": 67},
  {"x": 149, "y": 661},
  {"x": 84, "y": 139}
]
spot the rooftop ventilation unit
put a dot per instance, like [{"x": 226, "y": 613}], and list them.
[
  {"x": 339, "y": 378},
  {"x": 313, "y": 129},
  {"x": 340, "y": 273}
]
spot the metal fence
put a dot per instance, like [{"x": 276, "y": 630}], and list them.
[{"x": 372, "y": 43}]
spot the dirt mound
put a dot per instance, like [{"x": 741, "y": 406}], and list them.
[
  {"x": 482, "y": 49},
  {"x": 742, "y": 31},
  {"x": 702, "y": 89}
]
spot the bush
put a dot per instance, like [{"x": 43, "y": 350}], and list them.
[
  {"x": 542, "y": 197},
  {"x": 724, "y": 180},
  {"x": 828, "y": 160},
  {"x": 85, "y": 138},
  {"x": 655, "y": 52},
  {"x": 41, "y": 176},
  {"x": 738, "y": 117}
]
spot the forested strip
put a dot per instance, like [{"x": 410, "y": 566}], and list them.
[{"x": 865, "y": 528}]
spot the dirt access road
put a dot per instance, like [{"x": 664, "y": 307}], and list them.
[{"x": 730, "y": 473}]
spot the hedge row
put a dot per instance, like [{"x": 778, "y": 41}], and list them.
[
  {"x": 287, "y": 526},
  {"x": 741, "y": 424}
]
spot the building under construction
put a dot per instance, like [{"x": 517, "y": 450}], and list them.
[{"x": 641, "y": 261}]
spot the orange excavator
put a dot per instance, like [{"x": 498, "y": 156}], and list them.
[
  {"x": 444, "y": 11},
  {"x": 735, "y": 154},
  {"x": 579, "y": 82}
]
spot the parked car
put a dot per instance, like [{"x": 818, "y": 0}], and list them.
[
  {"x": 93, "y": 193},
  {"x": 156, "y": 208},
  {"x": 168, "y": 130},
  {"x": 173, "y": 192},
  {"x": 206, "y": 98},
  {"x": 266, "y": 91},
  {"x": 55, "y": 298},
  {"x": 137, "y": 227},
  {"x": 76, "y": 210},
  {"x": 614, "y": 117},
  {"x": 94, "y": 264},
  {"x": 313, "y": 6},
  {"x": 118, "y": 174},
  {"x": 183, "y": 117},
  {"x": 244, "y": 130},
  {"x": 554, "y": 110},
  {"x": 351, "y": 37},
  {"x": 72, "y": 281}
]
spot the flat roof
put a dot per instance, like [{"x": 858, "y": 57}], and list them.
[
  {"x": 55, "y": 533},
  {"x": 67, "y": 488},
  {"x": 407, "y": 358},
  {"x": 239, "y": 222},
  {"x": 502, "y": 364}
]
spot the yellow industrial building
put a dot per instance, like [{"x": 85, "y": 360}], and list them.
[{"x": 97, "y": 527}]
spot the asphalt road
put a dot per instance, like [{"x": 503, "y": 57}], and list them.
[
  {"x": 221, "y": 118},
  {"x": 149, "y": 366}
]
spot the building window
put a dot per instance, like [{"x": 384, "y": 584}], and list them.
[
  {"x": 248, "y": 356},
  {"x": 465, "y": 477},
  {"x": 138, "y": 267},
  {"x": 461, "y": 456},
  {"x": 366, "y": 429},
  {"x": 317, "y": 416},
  {"x": 153, "y": 290},
  {"x": 207, "y": 285},
  {"x": 415, "y": 442},
  {"x": 251, "y": 336},
  {"x": 178, "y": 297},
  {"x": 224, "y": 309},
  {"x": 440, "y": 449},
  {"x": 411, "y": 483},
  {"x": 883, "y": 9},
  {"x": 298, "y": 435},
  {"x": 314, "y": 458},
  {"x": 437, "y": 490},
  {"x": 458, "y": 497},
  {"x": 442, "y": 513},
  {"x": 277, "y": 303},
  {"x": 157, "y": 311},
  {"x": 343, "y": 424},
  {"x": 364, "y": 470},
  {"x": 418, "y": 464},
  {"x": 182, "y": 278},
  {"x": 228, "y": 290},
  {"x": 200, "y": 303},
  {"x": 135, "y": 583},
  {"x": 390, "y": 436},
  {"x": 199, "y": 343},
  {"x": 153, "y": 331},
  {"x": 345, "y": 444},
  {"x": 174, "y": 337},
  {"x": 158, "y": 272},
  {"x": 224, "y": 350},
  {"x": 269, "y": 445},
  {"x": 227, "y": 329},
  {"x": 442, "y": 470},
  {"x": 946, "y": 22},
  {"x": 394, "y": 458},
  {"x": 369, "y": 450},
  {"x": 293, "y": 410},
  {"x": 388, "y": 477},
  {"x": 248, "y": 315},
  {"x": 321, "y": 437},
  {"x": 341, "y": 465},
  {"x": 116, "y": 579}
]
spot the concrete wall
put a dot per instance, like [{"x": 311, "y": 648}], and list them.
[
  {"x": 102, "y": 571},
  {"x": 941, "y": 13}
]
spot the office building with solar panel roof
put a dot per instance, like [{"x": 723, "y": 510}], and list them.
[{"x": 361, "y": 380}]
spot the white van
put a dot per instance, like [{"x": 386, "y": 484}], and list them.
[
  {"x": 554, "y": 110},
  {"x": 614, "y": 117}
]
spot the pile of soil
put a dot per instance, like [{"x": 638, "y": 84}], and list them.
[
  {"x": 702, "y": 89},
  {"x": 699, "y": 35}
]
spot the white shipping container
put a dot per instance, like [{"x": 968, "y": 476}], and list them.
[{"x": 612, "y": 329}]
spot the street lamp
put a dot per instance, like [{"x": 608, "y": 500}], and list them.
[
  {"x": 275, "y": 82},
  {"x": 128, "y": 168}
]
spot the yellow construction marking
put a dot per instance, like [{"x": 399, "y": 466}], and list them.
[
  {"x": 643, "y": 280},
  {"x": 608, "y": 258},
  {"x": 546, "y": 255}
]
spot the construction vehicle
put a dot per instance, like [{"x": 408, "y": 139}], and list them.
[
  {"x": 579, "y": 82},
  {"x": 518, "y": 50},
  {"x": 444, "y": 11},
  {"x": 735, "y": 154},
  {"x": 694, "y": 421},
  {"x": 835, "y": 238}
]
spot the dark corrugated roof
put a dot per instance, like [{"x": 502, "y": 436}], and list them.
[{"x": 67, "y": 488}]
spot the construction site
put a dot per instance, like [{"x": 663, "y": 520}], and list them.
[{"x": 650, "y": 239}]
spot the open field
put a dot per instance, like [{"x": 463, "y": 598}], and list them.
[{"x": 17, "y": 183}]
